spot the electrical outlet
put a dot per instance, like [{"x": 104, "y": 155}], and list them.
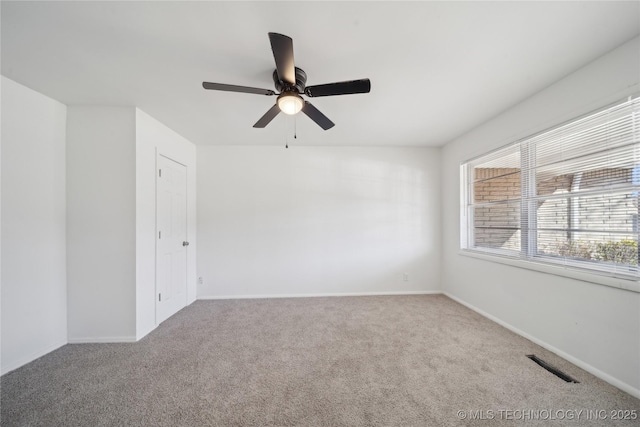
[
  {"x": 200, "y": 281},
  {"x": 405, "y": 277}
]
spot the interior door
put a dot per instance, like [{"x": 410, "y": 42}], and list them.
[{"x": 171, "y": 234}]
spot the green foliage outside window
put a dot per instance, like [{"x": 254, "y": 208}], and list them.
[{"x": 620, "y": 252}]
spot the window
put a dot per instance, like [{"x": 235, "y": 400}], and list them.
[{"x": 566, "y": 196}]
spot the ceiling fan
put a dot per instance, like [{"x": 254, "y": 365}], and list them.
[{"x": 290, "y": 81}]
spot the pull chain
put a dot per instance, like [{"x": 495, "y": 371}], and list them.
[
  {"x": 295, "y": 133},
  {"x": 286, "y": 138}
]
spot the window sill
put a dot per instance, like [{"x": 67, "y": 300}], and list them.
[{"x": 573, "y": 273}]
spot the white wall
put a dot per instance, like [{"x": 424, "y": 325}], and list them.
[
  {"x": 595, "y": 326},
  {"x": 34, "y": 302},
  {"x": 78, "y": 222},
  {"x": 101, "y": 223},
  {"x": 153, "y": 137},
  {"x": 317, "y": 220}
]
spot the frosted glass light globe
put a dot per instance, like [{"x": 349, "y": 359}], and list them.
[{"x": 290, "y": 103}]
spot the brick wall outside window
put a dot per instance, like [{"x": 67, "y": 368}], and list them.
[{"x": 498, "y": 225}]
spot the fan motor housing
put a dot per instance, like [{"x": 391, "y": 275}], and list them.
[{"x": 301, "y": 81}]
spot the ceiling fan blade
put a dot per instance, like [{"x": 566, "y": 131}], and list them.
[
  {"x": 339, "y": 88},
  {"x": 268, "y": 116},
  {"x": 234, "y": 88},
  {"x": 282, "y": 47},
  {"x": 315, "y": 115}
]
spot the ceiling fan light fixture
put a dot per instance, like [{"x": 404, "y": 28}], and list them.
[
  {"x": 290, "y": 103},
  {"x": 291, "y": 82}
]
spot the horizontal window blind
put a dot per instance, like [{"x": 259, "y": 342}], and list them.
[{"x": 566, "y": 196}]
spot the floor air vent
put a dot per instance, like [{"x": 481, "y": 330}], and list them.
[{"x": 555, "y": 371}]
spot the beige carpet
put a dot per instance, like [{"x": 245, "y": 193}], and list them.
[{"x": 345, "y": 361}]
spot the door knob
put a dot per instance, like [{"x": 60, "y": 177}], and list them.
[{"x": 185, "y": 243}]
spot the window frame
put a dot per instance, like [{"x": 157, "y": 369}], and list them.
[{"x": 528, "y": 257}]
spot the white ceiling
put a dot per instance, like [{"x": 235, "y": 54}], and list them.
[{"x": 438, "y": 69}]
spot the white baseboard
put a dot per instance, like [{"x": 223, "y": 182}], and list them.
[
  {"x": 345, "y": 294},
  {"x": 102, "y": 340},
  {"x": 579, "y": 363},
  {"x": 142, "y": 334},
  {"x": 30, "y": 358}
]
